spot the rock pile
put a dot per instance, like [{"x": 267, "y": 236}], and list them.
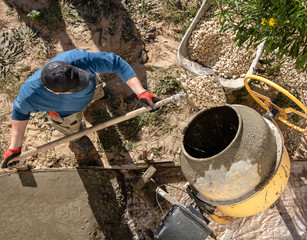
[
  {"x": 204, "y": 91},
  {"x": 217, "y": 50}
]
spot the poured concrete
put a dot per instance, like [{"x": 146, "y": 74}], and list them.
[{"x": 74, "y": 204}]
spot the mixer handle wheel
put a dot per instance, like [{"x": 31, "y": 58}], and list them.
[{"x": 267, "y": 103}]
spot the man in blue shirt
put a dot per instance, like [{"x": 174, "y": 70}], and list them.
[{"x": 64, "y": 87}]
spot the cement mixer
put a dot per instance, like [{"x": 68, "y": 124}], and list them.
[{"x": 235, "y": 159}]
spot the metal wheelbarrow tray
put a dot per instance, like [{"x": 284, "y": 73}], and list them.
[{"x": 200, "y": 70}]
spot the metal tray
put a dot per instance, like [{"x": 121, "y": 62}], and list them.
[
  {"x": 200, "y": 70},
  {"x": 182, "y": 224}
]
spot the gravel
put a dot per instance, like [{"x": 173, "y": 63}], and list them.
[
  {"x": 204, "y": 91},
  {"x": 217, "y": 50}
]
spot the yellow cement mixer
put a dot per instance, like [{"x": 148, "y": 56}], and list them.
[{"x": 235, "y": 159}]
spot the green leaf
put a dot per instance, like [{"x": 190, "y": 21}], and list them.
[{"x": 301, "y": 61}]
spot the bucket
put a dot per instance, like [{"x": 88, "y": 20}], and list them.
[{"x": 230, "y": 155}]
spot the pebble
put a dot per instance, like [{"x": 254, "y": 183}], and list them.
[
  {"x": 204, "y": 91},
  {"x": 218, "y": 51}
]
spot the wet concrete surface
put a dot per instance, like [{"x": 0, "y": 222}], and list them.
[{"x": 74, "y": 204}]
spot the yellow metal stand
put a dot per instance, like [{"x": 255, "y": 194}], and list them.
[{"x": 267, "y": 104}]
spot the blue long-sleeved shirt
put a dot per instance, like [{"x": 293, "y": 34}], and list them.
[{"x": 34, "y": 97}]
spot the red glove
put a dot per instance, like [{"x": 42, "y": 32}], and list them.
[
  {"x": 10, "y": 154},
  {"x": 149, "y": 99}
]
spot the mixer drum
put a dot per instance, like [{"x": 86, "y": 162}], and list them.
[{"x": 228, "y": 154}]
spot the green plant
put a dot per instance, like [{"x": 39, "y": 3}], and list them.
[
  {"x": 283, "y": 101},
  {"x": 156, "y": 120},
  {"x": 71, "y": 15},
  {"x": 280, "y": 23},
  {"x": 35, "y": 15},
  {"x": 240, "y": 95},
  {"x": 13, "y": 48},
  {"x": 10, "y": 86},
  {"x": 178, "y": 10},
  {"x": 158, "y": 152},
  {"x": 52, "y": 17},
  {"x": 167, "y": 85},
  {"x": 88, "y": 11},
  {"x": 9, "y": 13},
  {"x": 143, "y": 7}
]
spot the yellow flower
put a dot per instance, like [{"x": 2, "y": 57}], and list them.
[
  {"x": 272, "y": 22},
  {"x": 263, "y": 21}
]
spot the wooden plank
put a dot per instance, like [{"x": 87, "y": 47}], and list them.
[
  {"x": 107, "y": 167},
  {"x": 146, "y": 176},
  {"x": 166, "y": 196}
]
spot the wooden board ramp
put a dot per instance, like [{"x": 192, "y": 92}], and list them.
[{"x": 140, "y": 166}]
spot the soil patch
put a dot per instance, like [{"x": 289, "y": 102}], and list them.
[{"x": 149, "y": 44}]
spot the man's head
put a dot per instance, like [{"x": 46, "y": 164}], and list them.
[{"x": 60, "y": 76}]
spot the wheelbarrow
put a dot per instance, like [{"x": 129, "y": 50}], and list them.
[{"x": 200, "y": 70}]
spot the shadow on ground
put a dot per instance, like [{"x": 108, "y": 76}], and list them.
[
  {"x": 110, "y": 30},
  {"x": 107, "y": 199}
]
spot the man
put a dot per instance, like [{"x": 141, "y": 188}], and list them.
[{"x": 64, "y": 87}]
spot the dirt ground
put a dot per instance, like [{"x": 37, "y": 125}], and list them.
[
  {"x": 149, "y": 45},
  {"x": 133, "y": 30},
  {"x": 158, "y": 49},
  {"x": 160, "y": 53}
]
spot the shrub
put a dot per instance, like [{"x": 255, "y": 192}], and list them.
[
  {"x": 281, "y": 23},
  {"x": 34, "y": 15}
]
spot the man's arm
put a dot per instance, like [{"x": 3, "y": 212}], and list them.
[
  {"x": 135, "y": 85},
  {"x": 102, "y": 62},
  {"x": 145, "y": 96},
  {"x": 17, "y": 133}
]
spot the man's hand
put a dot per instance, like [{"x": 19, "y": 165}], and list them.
[
  {"x": 10, "y": 154},
  {"x": 149, "y": 99}
]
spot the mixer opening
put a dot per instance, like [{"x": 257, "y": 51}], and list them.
[{"x": 211, "y": 132}]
